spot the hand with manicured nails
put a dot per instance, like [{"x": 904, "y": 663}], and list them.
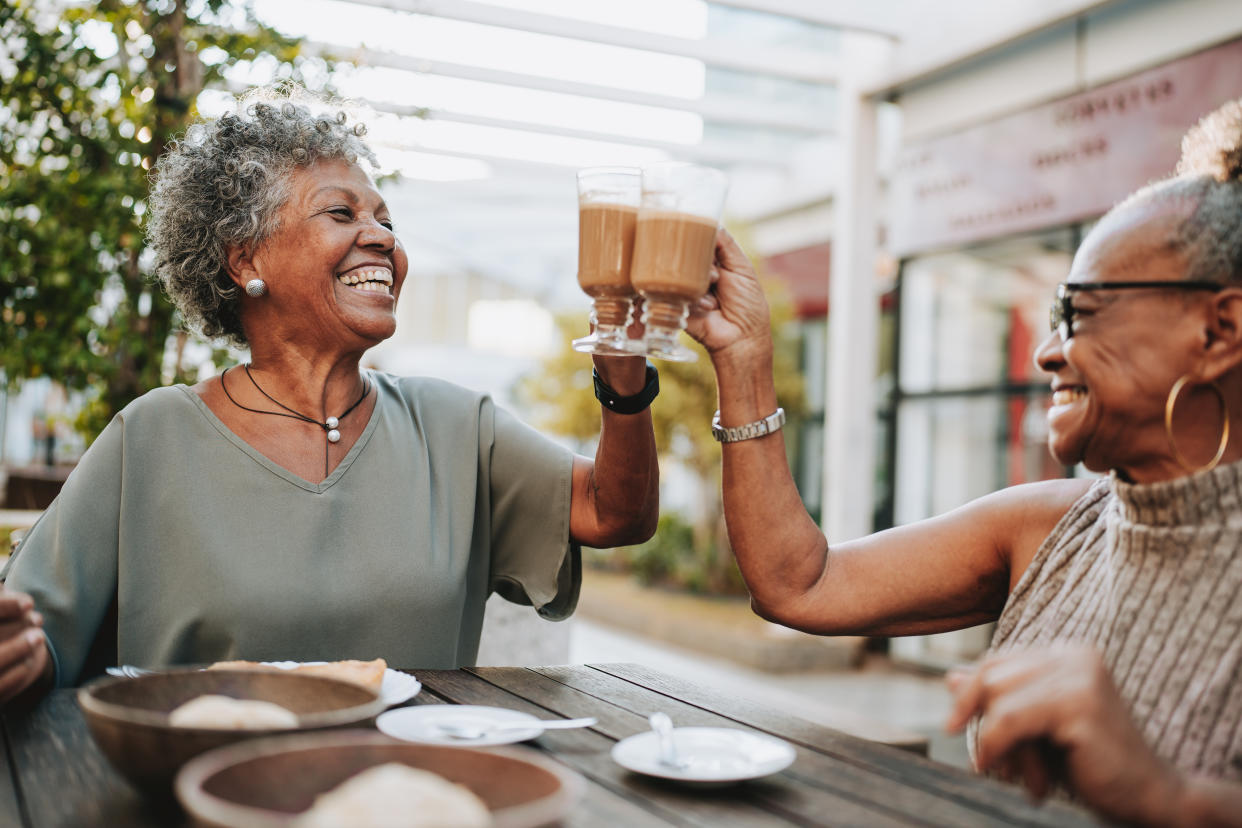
[
  {"x": 23, "y": 653},
  {"x": 1053, "y": 716},
  {"x": 734, "y": 311}
]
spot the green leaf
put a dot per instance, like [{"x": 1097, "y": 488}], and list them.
[{"x": 73, "y": 170}]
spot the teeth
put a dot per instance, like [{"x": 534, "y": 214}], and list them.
[
  {"x": 1066, "y": 396},
  {"x": 372, "y": 280}
]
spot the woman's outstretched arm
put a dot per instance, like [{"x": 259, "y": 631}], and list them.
[{"x": 940, "y": 574}]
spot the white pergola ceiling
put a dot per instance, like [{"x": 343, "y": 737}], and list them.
[
  {"x": 488, "y": 108},
  {"x": 502, "y": 100}
]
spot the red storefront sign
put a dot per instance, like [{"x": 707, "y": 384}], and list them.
[{"x": 1057, "y": 163}]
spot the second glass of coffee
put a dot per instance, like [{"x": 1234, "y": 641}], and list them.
[
  {"x": 608, "y": 200},
  {"x": 674, "y": 246}
]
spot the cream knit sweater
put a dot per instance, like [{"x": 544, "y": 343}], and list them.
[{"x": 1151, "y": 576}]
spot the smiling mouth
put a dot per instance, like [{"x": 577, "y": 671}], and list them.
[
  {"x": 1068, "y": 396},
  {"x": 370, "y": 280}
]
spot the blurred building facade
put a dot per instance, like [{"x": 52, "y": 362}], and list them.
[{"x": 1008, "y": 155}]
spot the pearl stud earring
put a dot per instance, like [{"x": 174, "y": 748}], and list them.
[{"x": 256, "y": 288}]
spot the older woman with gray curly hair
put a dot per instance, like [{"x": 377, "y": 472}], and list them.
[{"x": 298, "y": 506}]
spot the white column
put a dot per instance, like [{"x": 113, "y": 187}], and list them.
[{"x": 853, "y": 310}]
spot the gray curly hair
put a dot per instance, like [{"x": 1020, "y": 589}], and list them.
[
  {"x": 221, "y": 185},
  {"x": 1208, "y": 181}
]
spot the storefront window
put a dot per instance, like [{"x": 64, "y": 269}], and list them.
[
  {"x": 973, "y": 318},
  {"x": 807, "y": 443},
  {"x": 953, "y": 449},
  {"x": 970, "y": 405},
  {"x": 970, "y": 400}
]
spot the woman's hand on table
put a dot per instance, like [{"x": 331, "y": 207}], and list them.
[
  {"x": 733, "y": 316},
  {"x": 23, "y": 651},
  {"x": 1053, "y": 715}
]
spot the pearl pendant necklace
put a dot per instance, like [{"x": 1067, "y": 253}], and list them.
[{"x": 330, "y": 426}]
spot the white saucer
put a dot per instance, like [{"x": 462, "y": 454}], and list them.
[
  {"x": 421, "y": 724},
  {"x": 713, "y": 755},
  {"x": 396, "y": 688}
]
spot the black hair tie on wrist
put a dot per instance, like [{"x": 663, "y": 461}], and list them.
[{"x": 632, "y": 404}]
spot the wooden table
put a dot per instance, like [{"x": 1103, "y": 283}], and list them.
[{"x": 51, "y": 773}]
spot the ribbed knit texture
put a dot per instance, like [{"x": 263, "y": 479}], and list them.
[{"x": 1152, "y": 577}]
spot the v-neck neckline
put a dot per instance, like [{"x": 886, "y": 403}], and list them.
[{"x": 279, "y": 470}]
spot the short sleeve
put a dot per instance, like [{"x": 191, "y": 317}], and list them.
[
  {"x": 530, "y": 487},
  {"x": 68, "y": 560}
]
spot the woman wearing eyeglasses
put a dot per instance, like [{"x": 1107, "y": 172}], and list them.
[{"x": 1116, "y": 666}]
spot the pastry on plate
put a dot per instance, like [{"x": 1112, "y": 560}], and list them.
[{"x": 369, "y": 674}]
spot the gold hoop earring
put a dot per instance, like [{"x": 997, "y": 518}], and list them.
[{"x": 1171, "y": 403}]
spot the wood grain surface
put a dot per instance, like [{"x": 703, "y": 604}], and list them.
[{"x": 53, "y": 775}]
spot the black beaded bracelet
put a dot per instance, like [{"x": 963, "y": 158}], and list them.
[{"x": 632, "y": 404}]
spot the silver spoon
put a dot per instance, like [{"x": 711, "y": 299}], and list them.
[
  {"x": 127, "y": 671},
  {"x": 663, "y": 727},
  {"x": 467, "y": 732}
]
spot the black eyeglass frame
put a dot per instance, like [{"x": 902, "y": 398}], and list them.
[{"x": 1061, "y": 314}]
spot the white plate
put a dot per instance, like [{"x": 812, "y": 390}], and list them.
[
  {"x": 396, "y": 688},
  {"x": 421, "y": 724},
  {"x": 714, "y": 755}
]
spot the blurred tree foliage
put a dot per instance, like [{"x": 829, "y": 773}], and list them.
[
  {"x": 562, "y": 401},
  {"x": 90, "y": 95}
]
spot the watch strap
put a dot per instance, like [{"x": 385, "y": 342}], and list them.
[
  {"x": 769, "y": 424},
  {"x": 632, "y": 404}
]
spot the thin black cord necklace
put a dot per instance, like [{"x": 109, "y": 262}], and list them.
[{"x": 329, "y": 425}]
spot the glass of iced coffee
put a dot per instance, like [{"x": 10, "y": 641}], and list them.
[
  {"x": 674, "y": 246},
  {"x": 608, "y": 200}
]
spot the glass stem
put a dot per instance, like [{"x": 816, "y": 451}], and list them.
[
  {"x": 613, "y": 312},
  {"x": 665, "y": 317}
]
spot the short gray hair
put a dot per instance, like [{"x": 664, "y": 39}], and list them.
[
  {"x": 221, "y": 185},
  {"x": 1212, "y": 158},
  {"x": 1208, "y": 181}
]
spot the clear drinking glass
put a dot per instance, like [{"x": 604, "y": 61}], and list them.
[
  {"x": 674, "y": 246},
  {"x": 608, "y": 200}
]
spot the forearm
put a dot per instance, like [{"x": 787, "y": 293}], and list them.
[
  {"x": 625, "y": 480},
  {"x": 780, "y": 550},
  {"x": 1206, "y": 803}
]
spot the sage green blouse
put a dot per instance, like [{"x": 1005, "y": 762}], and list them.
[{"x": 174, "y": 541}]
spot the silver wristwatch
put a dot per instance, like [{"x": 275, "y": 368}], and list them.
[{"x": 758, "y": 428}]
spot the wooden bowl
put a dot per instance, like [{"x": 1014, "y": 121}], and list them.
[
  {"x": 269, "y": 782},
  {"x": 128, "y": 717}
]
